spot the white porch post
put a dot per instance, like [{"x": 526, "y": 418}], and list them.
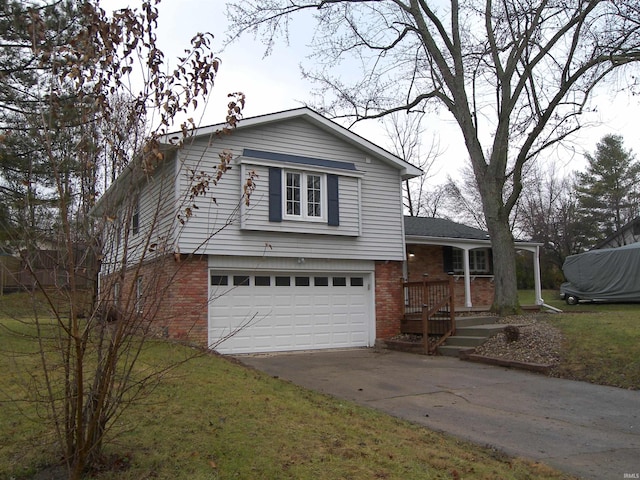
[
  {"x": 536, "y": 276},
  {"x": 467, "y": 279}
]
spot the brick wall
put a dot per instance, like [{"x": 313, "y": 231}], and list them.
[
  {"x": 185, "y": 308},
  {"x": 429, "y": 259},
  {"x": 389, "y": 298},
  {"x": 174, "y": 301},
  {"x": 425, "y": 259}
]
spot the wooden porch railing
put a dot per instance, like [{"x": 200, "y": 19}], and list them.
[{"x": 429, "y": 311}]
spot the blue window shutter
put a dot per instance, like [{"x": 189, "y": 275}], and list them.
[
  {"x": 332, "y": 201},
  {"x": 275, "y": 194}
]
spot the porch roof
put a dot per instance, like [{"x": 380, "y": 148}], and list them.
[
  {"x": 440, "y": 231},
  {"x": 441, "y": 228}
]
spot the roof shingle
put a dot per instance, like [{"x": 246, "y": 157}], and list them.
[{"x": 440, "y": 227}]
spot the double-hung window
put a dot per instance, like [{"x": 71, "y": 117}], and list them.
[
  {"x": 304, "y": 195},
  {"x": 478, "y": 260}
]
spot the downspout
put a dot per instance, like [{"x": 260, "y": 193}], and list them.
[{"x": 538, "y": 282}]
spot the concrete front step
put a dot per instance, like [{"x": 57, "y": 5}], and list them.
[
  {"x": 470, "y": 332},
  {"x": 452, "y": 351},
  {"x": 484, "y": 331},
  {"x": 469, "y": 321},
  {"x": 463, "y": 341}
]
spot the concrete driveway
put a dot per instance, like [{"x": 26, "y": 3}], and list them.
[{"x": 586, "y": 430}]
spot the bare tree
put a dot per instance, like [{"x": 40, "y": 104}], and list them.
[
  {"x": 515, "y": 76},
  {"x": 406, "y": 133},
  {"x": 101, "y": 104},
  {"x": 550, "y": 215},
  {"x": 462, "y": 200}
]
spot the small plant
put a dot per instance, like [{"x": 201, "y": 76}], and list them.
[{"x": 512, "y": 333}]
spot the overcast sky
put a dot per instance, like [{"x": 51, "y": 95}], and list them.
[{"x": 274, "y": 83}]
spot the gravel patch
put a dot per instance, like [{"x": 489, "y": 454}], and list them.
[{"x": 538, "y": 342}]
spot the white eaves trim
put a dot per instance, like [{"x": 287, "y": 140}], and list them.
[{"x": 465, "y": 242}]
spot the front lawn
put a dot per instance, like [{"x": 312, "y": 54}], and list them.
[
  {"x": 601, "y": 346},
  {"x": 601, "y": 341},
  {"x": 215, "y": 419}
]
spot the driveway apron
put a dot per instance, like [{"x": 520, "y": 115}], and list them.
[{"x": 590, "y": 431}]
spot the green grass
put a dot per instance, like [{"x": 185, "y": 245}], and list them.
[
  {"x": 602, "y": 346},
  {"x": 22, "y": 304},
  {"x": 601, "y": 341},
  {"x": 213, "y": 418}
]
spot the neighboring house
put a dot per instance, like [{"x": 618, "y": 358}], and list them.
[
  {"x": 628, "y": 234},
  {"x": 314, "y": 261},
  {"x": 440, "y": 248}
]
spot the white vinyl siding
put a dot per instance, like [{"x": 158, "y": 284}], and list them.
[
  {"x": 151, "y": 206},
  {"x": 370, "y": 203}
]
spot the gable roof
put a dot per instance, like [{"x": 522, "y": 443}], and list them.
[
  {"x": 406, "y": 169},
  {"x": 168, "y": 144}
]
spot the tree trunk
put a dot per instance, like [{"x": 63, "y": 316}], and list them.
[{"x": 505, "y": 301}]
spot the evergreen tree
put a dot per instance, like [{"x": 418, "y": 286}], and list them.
[
  {"x": 608, "y": 191},
  {"x": 32, "y": 118}
]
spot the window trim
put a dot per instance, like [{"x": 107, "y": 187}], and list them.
[
  {"x": 330, "y": 199},
  {"x": 304, "y": 190},
  {"x": 457, "y": 256}
]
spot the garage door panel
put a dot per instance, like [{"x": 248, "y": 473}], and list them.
[
  {"x": 280, "y": 300},
  {"x": 302, "y": 330},
  {"x": 290, "y": 317},
  {"x": 322, "y": 340},
  {"x": 261, "y": 298}
]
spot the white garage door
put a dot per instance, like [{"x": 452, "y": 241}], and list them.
[{"x": 271, "y": 312}]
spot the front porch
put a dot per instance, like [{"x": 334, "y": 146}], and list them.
[
  {"x": 431, "y": 323},
  {"x": 441, "y": 249}
]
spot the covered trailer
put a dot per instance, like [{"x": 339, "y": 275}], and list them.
[{"x": 606, "y": 275}]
